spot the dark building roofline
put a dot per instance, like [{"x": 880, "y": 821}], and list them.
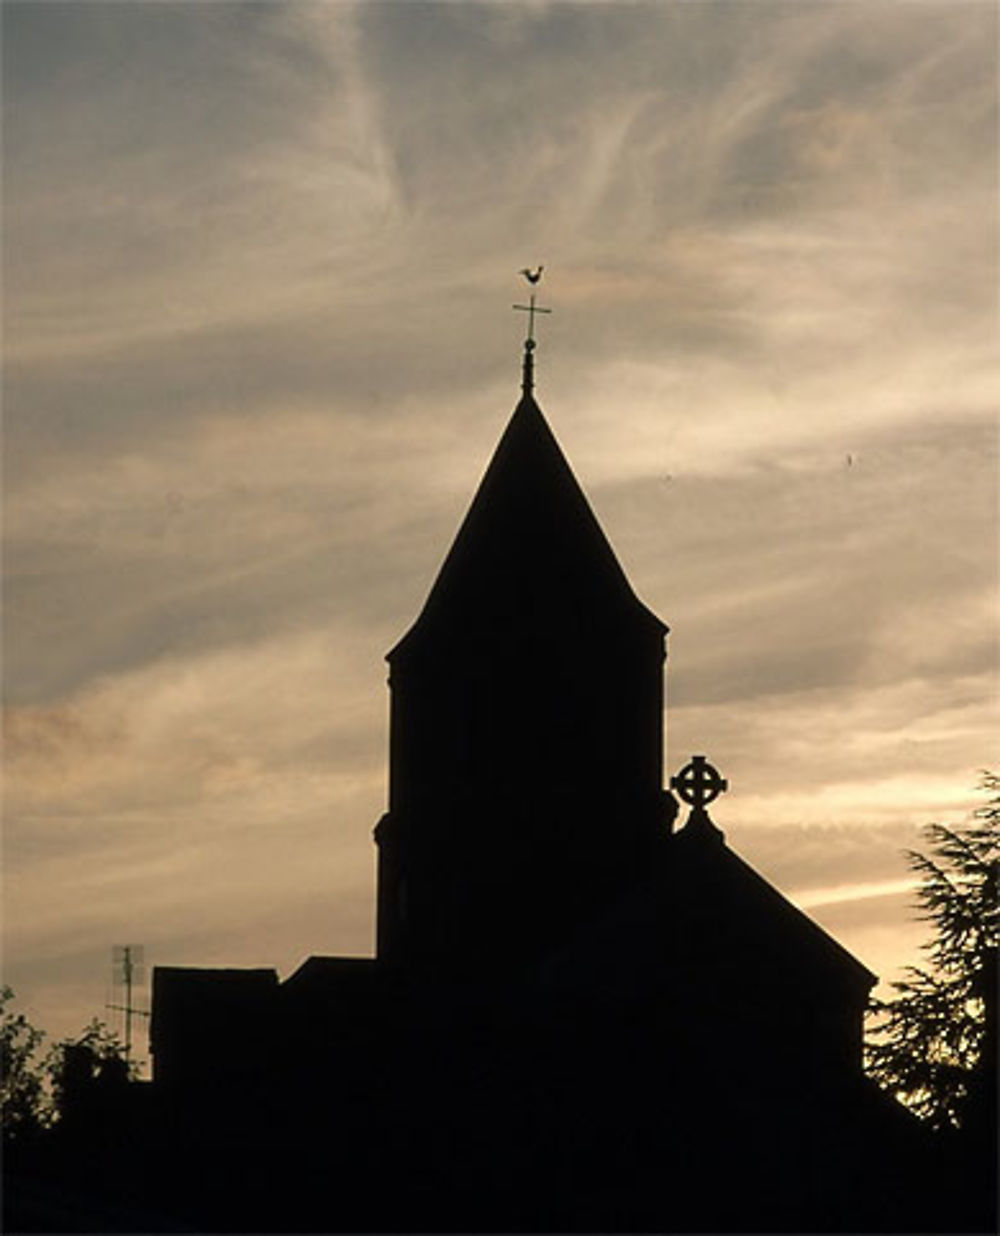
[
  {"x": 810, "y": 929},
  {"x": 320, "y": 969}
]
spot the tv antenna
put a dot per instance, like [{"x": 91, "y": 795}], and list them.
[{"x": 127, "y": 971}]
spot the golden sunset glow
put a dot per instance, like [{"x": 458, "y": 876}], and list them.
[{"x": 259, "y": 263}]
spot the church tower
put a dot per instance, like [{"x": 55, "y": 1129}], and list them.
[{"x": 526, "y": 726}]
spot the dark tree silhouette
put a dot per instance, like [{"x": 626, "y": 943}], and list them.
[
  {"x": 24, "y": 1101},
  {"x": 32, "y": 1083},
  {"x": 934, "y": 1043},
  {"x": 93, "y": 1049}
]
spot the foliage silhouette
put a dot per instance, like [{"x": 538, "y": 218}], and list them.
[
  {"x": 96, "y": 1046},
  {"x": 24, "y": 1100},
  {"x": 935, "y": 1041},
  {"x": 32, "y": 1083}
]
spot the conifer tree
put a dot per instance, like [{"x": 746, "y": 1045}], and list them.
[{"x": 935, "y": 1040}]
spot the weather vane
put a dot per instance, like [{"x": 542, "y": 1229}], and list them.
[{"x": 532, "y": 276}]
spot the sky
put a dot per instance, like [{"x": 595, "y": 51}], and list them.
[{"x": 259, "y": 263}]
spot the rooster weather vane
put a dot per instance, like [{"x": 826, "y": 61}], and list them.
[{"x": 532, "y": 276}]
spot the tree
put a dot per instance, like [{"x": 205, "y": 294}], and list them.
[
  {"x": 74, "y": 1063},
  {"x": 935, "y": 1041},
  {"x": 33, "y": 1086},
  {"x": 24, "y": 1101}
]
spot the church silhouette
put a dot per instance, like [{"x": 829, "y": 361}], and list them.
[{"x": 585, "y": 1013}]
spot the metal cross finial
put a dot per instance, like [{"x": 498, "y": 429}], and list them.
[
  {"x": 699, "y": 784},
  {"x": 530, "y": 309}
]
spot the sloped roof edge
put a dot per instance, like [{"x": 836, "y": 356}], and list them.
[{"x": 527, "y": 443}]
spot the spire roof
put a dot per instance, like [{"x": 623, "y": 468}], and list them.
[{"x": 530, "y": 548}]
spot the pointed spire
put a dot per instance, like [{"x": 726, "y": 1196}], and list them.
[{"x": 529, "y": 543}]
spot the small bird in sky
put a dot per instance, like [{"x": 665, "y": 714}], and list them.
[{"x": 532, "y": 276}]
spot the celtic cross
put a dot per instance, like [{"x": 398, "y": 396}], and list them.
[{"x": 698, "y": 784}]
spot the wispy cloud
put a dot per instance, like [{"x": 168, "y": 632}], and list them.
[
  {"x": 808, "y": 898},
  {"x": 258, "y": 262}
]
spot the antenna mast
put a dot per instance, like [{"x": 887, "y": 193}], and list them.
[{"x": 127, "y": 969}]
